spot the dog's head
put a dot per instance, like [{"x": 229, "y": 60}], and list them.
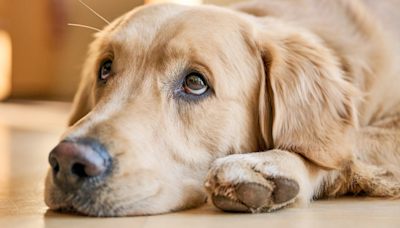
[{"x": 172, "y": 88}]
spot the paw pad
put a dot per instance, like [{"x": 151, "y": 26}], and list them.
[
  {"x": 254, "y": 197},
  {"x": 285, "y": 190}
]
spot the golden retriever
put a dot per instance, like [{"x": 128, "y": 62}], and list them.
[{"x": 264, "y": 105}]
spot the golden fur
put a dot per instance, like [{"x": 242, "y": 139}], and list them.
[{"x": 311, "y": 84}]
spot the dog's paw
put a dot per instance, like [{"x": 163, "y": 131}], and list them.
[{"x": 240, "y": 184}]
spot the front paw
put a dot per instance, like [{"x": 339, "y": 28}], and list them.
[{"x": 239, "y": 184}]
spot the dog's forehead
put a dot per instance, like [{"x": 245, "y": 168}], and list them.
[
  {"x": 167, "y": 35},
  {"x": 167, "y": 40},
  {"x": 156, "y": 25}
]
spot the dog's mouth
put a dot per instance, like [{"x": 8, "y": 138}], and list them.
[
  {"x": 73, "y": 210},
  {"x": 88, "y": 209},
  {"x": 84, "y": 202},
  {"x": 93, "y": 202},
  {"x": 99, "y": 211},
  {"x": 72, "y": 205}
]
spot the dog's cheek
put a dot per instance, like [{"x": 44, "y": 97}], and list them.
[{"x": 231, "y": 129}]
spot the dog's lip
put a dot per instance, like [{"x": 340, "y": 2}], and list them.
[
  {"x": 71, "y": 206},
  {"x": 68, "y": 209},
  {"x": 72, "y": 210},
  {"x": 77, "y": 210}
]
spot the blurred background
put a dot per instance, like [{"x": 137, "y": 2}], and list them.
[{"x": 41, "y": 56}]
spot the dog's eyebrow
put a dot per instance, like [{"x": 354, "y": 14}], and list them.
[
  {"x": 173, "y": 83},
  {"x": 201, "y": 68}
]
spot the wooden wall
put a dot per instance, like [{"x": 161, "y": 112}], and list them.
[
  {"x": 48, "y": 54},
  {"x": 32, "y": 57}
]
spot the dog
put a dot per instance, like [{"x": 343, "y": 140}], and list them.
[{"x": 255, "y": 107}]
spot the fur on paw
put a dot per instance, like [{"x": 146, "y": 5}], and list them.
[{"x": 243, "y": 188}]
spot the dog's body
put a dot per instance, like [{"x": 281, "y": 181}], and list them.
[{"x": 312, "y": 85}]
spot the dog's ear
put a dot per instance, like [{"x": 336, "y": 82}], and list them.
[
  {"x": 83, "y": 100},
  {"x": 306, "y": 105}
]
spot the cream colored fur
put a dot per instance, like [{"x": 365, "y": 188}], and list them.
[{"x": 321, "y": 76}]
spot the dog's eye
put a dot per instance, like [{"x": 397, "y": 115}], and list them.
[
  {"x": 195, "y": 84},
  {"x": 105, "y": 70}
]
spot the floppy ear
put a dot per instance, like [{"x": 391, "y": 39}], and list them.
[
  {"x": 83, "y": 100},
  {"x": 306, "y": 104}
]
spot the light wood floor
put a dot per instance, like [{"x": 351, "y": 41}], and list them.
[{"x": 28, "y": 131}]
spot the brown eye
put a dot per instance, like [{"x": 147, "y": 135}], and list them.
[
  {"x": 105, "y": 70},
  {"x": 195, "y": 84}
]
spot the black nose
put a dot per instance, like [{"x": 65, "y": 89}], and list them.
[{"x": 75, "y": 161}]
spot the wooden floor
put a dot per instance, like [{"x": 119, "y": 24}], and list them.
[{"x": 28, "y": 131}]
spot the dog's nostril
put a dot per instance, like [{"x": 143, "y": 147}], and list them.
[
  {"x": 56, "y": 168},
  {"x": 79, "y": 170},
  {"x": 54, "y": 164}
]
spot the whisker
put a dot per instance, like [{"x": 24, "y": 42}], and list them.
[
  {"x": 97, "y": 14},
  {"x": 84, "y": 26}
]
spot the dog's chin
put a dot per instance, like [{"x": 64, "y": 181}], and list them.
[
  {"x": 86, "y": 206},
  {"x": 68, "y": 210},
  {"x": 126, "y": 211},
  {"x": 90, "y": 205},
  {"x": 81, "y": 211},
  {"x": 152, "y": 205},
  {"x": 98, "y": 210}
]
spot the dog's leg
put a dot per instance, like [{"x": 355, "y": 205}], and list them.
[
  {"x": 376, "y": 172},
  {"x": 379, "y": 144},
  {"x": 268, "y": 181},
  {"x": 264, "y": 181}
]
